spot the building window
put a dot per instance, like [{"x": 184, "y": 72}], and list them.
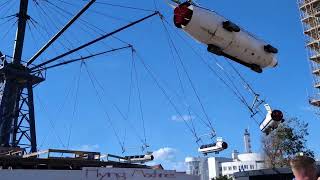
[
  {"x": 234, "y": 168},
  {"x": 229, "y": 168},
  {"x": 224, "y": 168},
  {"x": 251, "y": 166},
  {"x": 245, "y": 166}
]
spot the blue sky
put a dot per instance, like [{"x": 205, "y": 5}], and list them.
[{"x": 61, "y": 108}]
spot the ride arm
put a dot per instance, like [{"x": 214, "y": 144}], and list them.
[
  {"x": 95, "y": 41},
  {"x": 85, "y": 58},
  {"x": 54, "y": 38}
]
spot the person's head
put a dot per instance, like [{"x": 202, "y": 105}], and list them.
[{"x": 304, "y": 168}]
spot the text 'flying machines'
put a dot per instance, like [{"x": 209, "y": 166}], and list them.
[{"x": 223, "y": 37}]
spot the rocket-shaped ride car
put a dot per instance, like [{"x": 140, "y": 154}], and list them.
[
  {"x": 273, "y": 119},
  {"x": 216, "y": 147},
  {"x": 224, "y": 38}
]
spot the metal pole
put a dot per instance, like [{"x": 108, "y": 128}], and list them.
[
  {"x": 32, "y": 119},
  {"x": 81, "y": 59},
  {"x": 60, "y": 32},
  {"x": 22, "y": 22},
  {"x": 15, "y": 128},
  {"x": 95, "y": 40},
  {"x": 10, "y": 97},
  {"x": 8, "y": 106}
]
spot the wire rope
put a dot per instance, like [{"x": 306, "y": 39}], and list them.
[{"x": 208, "y": 123}]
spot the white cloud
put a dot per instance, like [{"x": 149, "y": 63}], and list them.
[
  {"x": 182, "y": 118},
  {"x": 167, "y": 157},
  {"x": 165, "y": 154}
]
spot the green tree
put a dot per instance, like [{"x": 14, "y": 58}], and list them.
[{"x": 285, "y": 142}]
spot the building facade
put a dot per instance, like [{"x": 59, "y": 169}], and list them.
[
  {"x": 310, "y": 19},
  {"x": 220, "y": 166},
  {"x": 94, "y": 174},
  {"x": 244, "y": 162},
  {"x": 215, "y": 166},
  {"x": 197, "y": 167}
]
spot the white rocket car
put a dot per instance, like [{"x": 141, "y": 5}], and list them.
[
  {"x": 217, "y": 147},
  {"x": 138, "y": 158},
  {"x": 224, "y": 38},
  {"x": 272, "y": 120}
]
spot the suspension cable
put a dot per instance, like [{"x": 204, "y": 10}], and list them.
[
  {"x": 75, "y": 105},
  {"x": 107, "y": 115},
  {"x": 241, "y": 99},
  {"x": 139, "y": 96},
  {"x": 53, "y": 23},
  {"x": 164, "y": 92},
  {"x": 183, "y": 90},
  {"x": 208, "y": 123},
  {"x": 95, "y": 40},
  {"x": 235, "y": 88},
  {"x": 66, "y": 98},
  {"x": 54, "y": 38},
  {"x": 126, "y": 7},
  {"x": 125, "y": 118},
  {"x": 51, "y": 122},
  {"x": 242, "y": 78}
]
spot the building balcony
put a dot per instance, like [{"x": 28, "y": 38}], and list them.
[
  {"x": 313, "y": 32},
  {"x": 315, "y": 58},
  {"x": 316, "y": 72},
  {"x": 308, "y": 19},
  {"x": 314, "y": 45},
  {"x": 317, "y": 13},
  {"x": 317, "y": 85},
  {"x": 304, "y": 4},
  {"x": 310, "y": 16},
  {"x": 315, "y": 102}
]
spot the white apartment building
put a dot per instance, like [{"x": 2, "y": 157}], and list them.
[
  {"x": 215, "y": 167},
  {"x": 243, "y": 162},
  {"x": 220, "y": 166}
]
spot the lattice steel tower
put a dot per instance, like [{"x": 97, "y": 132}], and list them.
[
  {"x": 18, "y": 78},
  {"x": 17, "y": 118},
  {"x": 310, "y": 18}
]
